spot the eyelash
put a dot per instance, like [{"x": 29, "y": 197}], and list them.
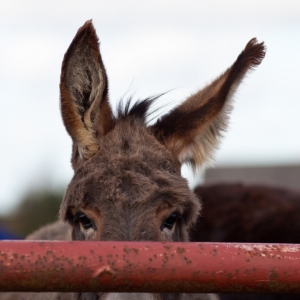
[
  {"x": 83, "y": 220},
  {"x": 170, "y": 221}
]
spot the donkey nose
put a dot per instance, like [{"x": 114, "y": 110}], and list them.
[{"x": 131, "y": 296}]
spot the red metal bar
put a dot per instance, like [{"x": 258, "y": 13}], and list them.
[{"x": 148, "y": 267}]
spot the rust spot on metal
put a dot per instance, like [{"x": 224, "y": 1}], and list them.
[
  {"x": 136, "y": 251},
  {"x": 273, "y": 275},
  {"x": 126, "y": 250},
  {"x": 180, "y": 250}
]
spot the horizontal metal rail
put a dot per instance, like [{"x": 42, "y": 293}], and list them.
[{"x": 149, "y": 267}]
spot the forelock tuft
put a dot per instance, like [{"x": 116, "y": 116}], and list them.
[{"x": 138, "y": 110}]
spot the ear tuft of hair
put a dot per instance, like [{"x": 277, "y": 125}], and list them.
[{"x": 254, "y": 52}]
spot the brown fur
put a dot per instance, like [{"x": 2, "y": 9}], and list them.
[
  {"x": 127, "y": 183},
  {"x": 248, "y": 214},
  {"x": 202, "y": 118}
]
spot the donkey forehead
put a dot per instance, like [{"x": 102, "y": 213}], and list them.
[
  {"x": 131, "y": 167},
  {"x": 131, "y": 146}
]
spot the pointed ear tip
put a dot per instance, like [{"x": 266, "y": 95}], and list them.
[
  {"x": 253, "y": 43},
  {"x": 255, "y": 51},
  {"x": 86, "y": 32},
  {"x": 88, "y": 26},
  {"x": 86, "y": 29}
]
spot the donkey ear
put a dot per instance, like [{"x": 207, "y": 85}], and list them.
[
  {"x": 85, "y": 108},
  {"x": 192, "y": 130}
]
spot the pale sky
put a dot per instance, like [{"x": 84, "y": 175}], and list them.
[{"x": 148, "y": 47}]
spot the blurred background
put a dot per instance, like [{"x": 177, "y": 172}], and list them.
[{"x": 148, "y": 47}]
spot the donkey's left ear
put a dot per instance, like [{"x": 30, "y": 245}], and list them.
[
  {"x": 83, "y": 88},
  {"x": 192, "y": 130}
]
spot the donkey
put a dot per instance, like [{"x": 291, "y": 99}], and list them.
[
  {"x": 234, "y": 212},
  {"x": 127, "y": 184}
]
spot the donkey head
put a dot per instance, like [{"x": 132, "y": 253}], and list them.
[{"x": 127, "y": 183}]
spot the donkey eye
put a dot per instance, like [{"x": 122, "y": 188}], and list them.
[
  {"x": 84, "y": 220},
  {"x": 170, "y": 221}
]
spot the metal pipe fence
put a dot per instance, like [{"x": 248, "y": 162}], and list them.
[{"x": 149, "y": 267}]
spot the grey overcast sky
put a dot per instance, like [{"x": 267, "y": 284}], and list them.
[{"x": 148, "y": 47}]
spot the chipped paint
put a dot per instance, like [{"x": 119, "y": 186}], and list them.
[
  {"x": 149, "y": 267},
  {"x": 105, "y": 270}
]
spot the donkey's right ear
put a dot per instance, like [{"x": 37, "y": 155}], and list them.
[{"x": 84, "y": 102}]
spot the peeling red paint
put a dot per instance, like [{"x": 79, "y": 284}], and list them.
[{"x": 148, "y": 267}]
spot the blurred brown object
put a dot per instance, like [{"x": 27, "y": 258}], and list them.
[{"x": 248, "y": 214}]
